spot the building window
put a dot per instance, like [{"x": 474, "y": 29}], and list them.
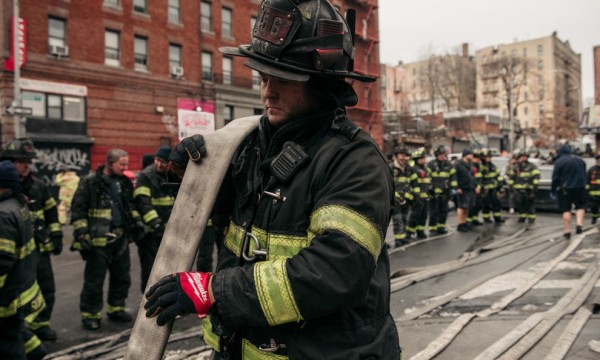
[
  {"x": 112, "y": 3},
  {"x": 540, "y": 50},
  {"x": 525, "y": 110},
  {"x": 140, "y": 6},
  {"x": 541, "y": 95},
  {"x": 207, "y": 66},
  {"x": 140, "y": 53},
  {"x": 541, "y": 80},
  {"x": 524, "y": 52},
  {"x": 541, "y": 109},
  {"x": 206, "y": 16},
  {"x": 525, "y": 96},
  {"x": 540, "y": 64},
  {"x": 55, "y": 107},
  {"x": 174, "y": 55},
  {"x": 226, "y": 22},
  {"x": 111, "y": 48},
  {"x": 258, "y": 111},
  {"x": 513, "y": 53},
  {"x": 227, "y": 70},
  {"x": 227, "y": 114},
  {"x": 174, "y": 12},
  {"x": 57, "y": 33},
  {"x": 255, "y": 80}
]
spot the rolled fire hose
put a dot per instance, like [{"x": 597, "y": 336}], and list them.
[{"x": 184, "y": 230}]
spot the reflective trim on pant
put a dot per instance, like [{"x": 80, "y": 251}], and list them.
[{"x": 45, "y": 279}]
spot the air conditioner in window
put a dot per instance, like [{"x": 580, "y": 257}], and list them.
[
  {"x": 177, "y": 71},
  {"x": 59, "y": 50}
]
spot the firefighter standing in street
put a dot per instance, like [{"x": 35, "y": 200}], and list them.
[
  {"x": 463, "y": 182},
  {"x": 524, "y": 182},
  {"x": 422, "y": 194},
  {"x": 47, "y": 230},
  {"x": 404, "y": 181},
  {"x": 593, "y": 189},
  {"x": 303, "y": 272},
  {"x": 20, "y": 295},
  {"x": 492, "y": 182},
  {"x": 440, "y": 170},
  {"x": 103, "y": 223},
  {"x": 477, "y": 167},
  {"x": 154, "y": 202}
]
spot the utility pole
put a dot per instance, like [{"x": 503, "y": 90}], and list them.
[{"x": 17, "y": 66}]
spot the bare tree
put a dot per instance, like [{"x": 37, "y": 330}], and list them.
[
  {"x": 558, "y": 124},
  {"x": 455, "y": 81}
]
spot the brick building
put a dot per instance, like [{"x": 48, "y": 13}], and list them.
[{"x": 100, "y": 74}]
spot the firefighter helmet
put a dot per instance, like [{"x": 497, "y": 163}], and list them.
[
  {"x": 440, "y": 150},
  {"x": 293, "y": 39},
  {"x": 417, "y": 154},
  {"x": 19, "y": 149},
  {"x": 401, "y": 150},
  {"x": 523, "y": 152}
]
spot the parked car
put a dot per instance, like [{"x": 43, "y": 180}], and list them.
[{"x": 543, "y": 200}]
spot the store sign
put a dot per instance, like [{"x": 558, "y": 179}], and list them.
[
  {"x": 9, "y": 64},
  {"x": 195, "y": 117}
]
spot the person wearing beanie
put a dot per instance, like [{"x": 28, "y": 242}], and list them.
[
  {"x": 154, "y": 203},
  {"x": 18, "y": 273},
  {"x": 48, "y": 234}
]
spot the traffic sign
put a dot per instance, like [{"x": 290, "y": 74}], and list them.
[{"x": 19, "y": 110}]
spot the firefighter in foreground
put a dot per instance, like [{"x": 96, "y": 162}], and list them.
[
  {"x": 303, "y": 273},
  {"x": 103, "y": 223},
  {"x": 154, "y": 202},
  {"x": 405, "y": 180},
  {"x": 20, "y": 295},
  {"x": 593, "y": 190},
  {"x": 47, "y": 230},
  {"x": 524, "y": 180},
  {"x": 441, "y": 171}
]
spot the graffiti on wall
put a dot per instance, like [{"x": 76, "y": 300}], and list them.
[{"x": 51, "y": 159}]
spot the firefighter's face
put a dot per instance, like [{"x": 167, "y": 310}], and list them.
[
  {"x": 285, "y": 99},
  {"x": 119, "y": 166},
  {"x": 402, "y": 158},
  {"x": 523, "y": 158},
  {"x": 161, "y": 165},
  {"x": 23, "y": 167}
]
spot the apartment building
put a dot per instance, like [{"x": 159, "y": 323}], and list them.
[
  {"x": 539, "y": 80},
  {"x": 137, "y": 74}
]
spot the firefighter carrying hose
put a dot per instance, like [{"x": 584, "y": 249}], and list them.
[{"x": 303, "y": 272}]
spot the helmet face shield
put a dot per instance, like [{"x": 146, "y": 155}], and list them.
[{"x": 294, "y": 39}]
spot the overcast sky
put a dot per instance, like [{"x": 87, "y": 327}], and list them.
[{"x": 408, "y": 28}]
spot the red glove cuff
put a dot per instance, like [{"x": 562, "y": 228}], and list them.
[{"x": 195, "y": 286}]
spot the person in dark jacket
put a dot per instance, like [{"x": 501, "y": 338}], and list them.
[
  {"x": 48, "y": 232},
  {"x": 20, "y": 295},
  {"x": 316, "y": 283},
  {"x": 593, "y": 189},
  {"x": 524, "y": 181},
  {"x": 466, "y": 188},
  {"x": 569, "y": 180},
  {"x": 103, "y": 224}
]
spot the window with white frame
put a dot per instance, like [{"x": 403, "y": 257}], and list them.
[
  {"x": 540, "y": 50},
  {"x": 140, "y": 53},
  {"x": 174, "y": 56},
  {"x": 226, "y": 16},
  {"x": 57, "y": 32},
  {"x": 112, "y": 50},
  {"x": 174, "y": 12},
  {"x": 54, "y": 106},
  {"x": 207, "y": 66},
  {"x": 206, "y": 16},
  {"x": 227, "y": 70},
  {"x": 540, "y": 64},
  {"x": 227, "y": 114},
  {"x": 140, "y": 6},
  {"x": 112, "y": 3}
]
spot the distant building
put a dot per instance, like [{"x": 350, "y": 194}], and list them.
[{"x": 100, "y": 74}]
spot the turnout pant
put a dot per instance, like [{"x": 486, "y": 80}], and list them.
[
  {"x": 594, "y": 202},
  {"x": 147, "y": 249},
  {"x": 113, "y": 258},
  {"x": 418, "y": 217},
  {"x": 475, "y": 210},
  {"x": 524, "y": 206},
  {"x": 438, "y": 212},
  {"x": 400, "y": 219},
  {"x": 45, "y": 279},
  {"x": 491, "y": 205}
]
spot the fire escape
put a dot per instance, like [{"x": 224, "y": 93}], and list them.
[{"x": 365, "y": 45}]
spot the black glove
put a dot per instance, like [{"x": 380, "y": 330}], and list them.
[
  {"x": 157, "y": 228},
  {"x": 56, "y": 239},
  {"x": 189, "y": 148},
  {"x": 83, "y": 244}
]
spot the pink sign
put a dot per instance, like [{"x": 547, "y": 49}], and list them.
[
  {"x": 9, "y": 64},
  {"x": 195, "y": 117}
]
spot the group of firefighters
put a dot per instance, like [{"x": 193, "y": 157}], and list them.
[{"x": 424, "y": 189}]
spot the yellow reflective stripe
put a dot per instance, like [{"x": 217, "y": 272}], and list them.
[
  {"x": 33, "y": 343},
  {"x": 425, "y": 180},
  {"x": 54, "y": 227},
  {"x": 3, "y": 280},
  {"x": 34, "y": 325},
  {"x": 280, "y": 246},
  {"x": 80, "y": 224},
  {"x": 595, "y": 192},
  {"x": 49, "y": 204},
  {"x": 37, "y": 305},
  {"x": 142, "y": 191},
  {"x": 47, "y": 247},
  {"x": 408, "y": 196},
  {"x": 454, "y": 183},
  {"x": 150, "y": 215},
  {"x": 233, "y": 239},
  {"x": 8, "y": 246},
  {"x": 99, "y": 241},
  {"x": 163, "y": 201},
  {"x": 349, "y": 222},
  {"x": 114, "y": 309},
  {"x": 88, "y": 315},
  {"x": 443, "y": 174},
  {"x": 23, "y": 299},
  {"x": 275, "y": 292},
  {"x": 38, "y": 214},
  {"x": 99, "y": 213},
  {"x": 26, "y": 250},
  {"x": 251, "y": 352},
  {"x": 210, "y": 338}
]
